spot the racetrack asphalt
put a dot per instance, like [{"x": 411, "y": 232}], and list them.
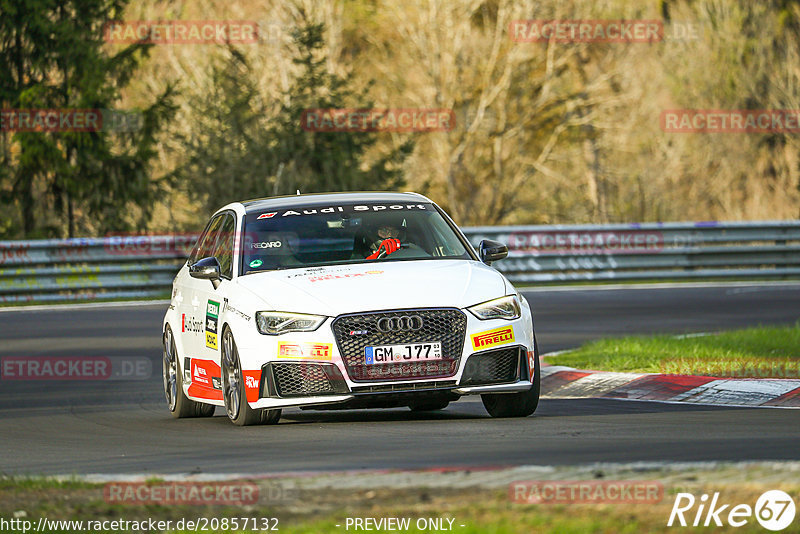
[{"x": 69, "y": 427}]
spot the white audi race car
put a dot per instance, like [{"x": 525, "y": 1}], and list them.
[{"x": 339, "y": 301}]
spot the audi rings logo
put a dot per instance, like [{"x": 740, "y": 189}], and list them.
[{"x": 404, "y": 323}]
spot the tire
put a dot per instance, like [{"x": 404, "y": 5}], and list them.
[
  {"x": 429, "y": 406},
  {"x": 233, "y": 391},
  {"x": 178, "y": 403},
  {"x": 520, "y": 404}
]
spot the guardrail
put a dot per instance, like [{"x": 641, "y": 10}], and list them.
[
  {"x": 647, "y": 251},
  {"x": 144, "y": 266},
  {"x": 84, "y": 269}
]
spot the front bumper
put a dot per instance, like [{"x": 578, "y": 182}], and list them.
[
  {"x": 322, "y": 368},
  {"x": 320, "y": 384}
]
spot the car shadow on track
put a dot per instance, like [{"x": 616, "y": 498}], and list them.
[
  {"x": 549, "y": 407},
  {"x": 473, "y": 410},
  {"x": 376, "y": 416}
]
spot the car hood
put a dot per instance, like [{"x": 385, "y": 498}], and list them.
[{"x": 342, "y": 289}]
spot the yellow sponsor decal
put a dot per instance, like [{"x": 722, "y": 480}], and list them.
[
  {"x": 492, "y": 338},
  {"x": 305, "y": 351},
  {"x": 211, "y": 340}
]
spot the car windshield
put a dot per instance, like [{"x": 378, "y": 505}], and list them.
[{"x": 354, "y": 233}]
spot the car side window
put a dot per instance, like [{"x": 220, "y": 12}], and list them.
[
  {"x": 205, "y": 243},
  {"x": 224, "y": 248}
]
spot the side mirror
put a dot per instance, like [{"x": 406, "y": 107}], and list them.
[
  {"x": 207, "y": 269},
  {"x": 490, "y": 251}
]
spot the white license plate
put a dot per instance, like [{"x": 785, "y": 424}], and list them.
[{"x": 410, "y": 352}]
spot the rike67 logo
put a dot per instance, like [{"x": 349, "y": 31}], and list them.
[{"x": 774, "y": 510}]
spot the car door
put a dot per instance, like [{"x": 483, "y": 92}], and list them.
[
  {"x": 193, "y": 318},
  {"x": 207, "y": 364}
]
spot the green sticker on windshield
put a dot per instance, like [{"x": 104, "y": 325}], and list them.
[{"x": 256, "y": 263}]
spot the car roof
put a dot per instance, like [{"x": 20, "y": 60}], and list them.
[{"x": 320, "y": 199}]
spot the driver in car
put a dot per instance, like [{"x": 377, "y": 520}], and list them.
[{"x": 388, "y": 241}]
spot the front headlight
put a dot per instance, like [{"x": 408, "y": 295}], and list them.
[
  {"x": 503, "y": 308},
  {"x": 274, "y": 323}
]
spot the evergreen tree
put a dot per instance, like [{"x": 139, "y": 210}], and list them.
[
  {"x": 60, "y": 183},
  {"x": 238, "y": 153}
]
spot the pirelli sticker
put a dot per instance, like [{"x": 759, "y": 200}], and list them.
[
  {"x": 305, "y": 351},
  {"x": 212, "y": 320},
  {"x": 493, "y": 338}
]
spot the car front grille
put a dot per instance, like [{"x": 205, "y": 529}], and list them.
[
  {"x": 301, "y": 379},
  {"x": 355, "y": 332},
  {"x": 492, "y": 367}
]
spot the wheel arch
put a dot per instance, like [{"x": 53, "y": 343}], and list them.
[{"x": 179, "y": 348}]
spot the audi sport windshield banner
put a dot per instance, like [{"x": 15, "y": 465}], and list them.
[{"x": 300, "y": 236}]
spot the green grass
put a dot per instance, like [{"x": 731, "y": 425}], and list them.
[
  {"x": 718, "y": 354},
  {"x": 497, "y": 520},
  {"x": 20, "y": 483},
  {"x": 480, "y": 510}
]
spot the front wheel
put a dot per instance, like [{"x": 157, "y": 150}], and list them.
[
  {"x": 233, "y": 390},
  {"x": 179, "y": 405},
  {"x": 520, "y": 404}
]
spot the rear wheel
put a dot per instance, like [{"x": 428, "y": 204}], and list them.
[
  {"x": 520, "y": 404},
  {"x": 179, "y": 405},
  {"x": 233, "y": 390}
]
